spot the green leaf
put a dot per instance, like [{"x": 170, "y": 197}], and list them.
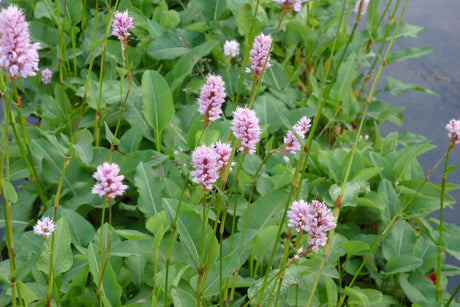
[
  {"x": 150, "y": 158},
  {"x": 409, "y": 53},
  {"x": 372, "y": 15},
  {"x": 181, "y": 298},
  {"x": 158, "y": 223},
  {"x": 189, "y": 225},
  {"x": 400, "y": 241},
  {"x": 173, "y": 44},
  {"x": 397, "y": 87},
  {"x": 84, "y": 146},
  {"x": 132, "y": 234},
  {"x": 351, "y": 192},
  {"x": 149, "y": 188},
  {"x": 10, "y": 192},
  {"x": 400, "y": 264},
  {"x": 451, "y": 169},
  {"x": 158, "y": 102},
  {"x": 417, "y": 287},
  {"x": 81, "y": 231},
  {"x": 62, "y": 253},
  {"x": 268, "y": 110},
  {"x": 355, "y": 248},
  {"x": 367, "y": 173},
  {"x": 27, "y": 294},
  {"x": 266, "y": 210},
  {"x": 245, "y": 18},
  {"x": 212, "y": 10}
]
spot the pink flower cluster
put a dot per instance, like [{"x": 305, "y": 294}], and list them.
[
  {"x": 315, "y": 218},
  {"x": 296, "y": 4},
  {"x": 364, "y": 8},
  {"x": 453, "y": 127},
  {"x": 122, "y": 23},
  {"x": 260, "y": 54},
  {"x": 246, "y": 128},
  {"x": 211, "y": 98},
  {"x": 290, "y": 141},
  {"x": 231, "y": 48},
  {"x": 44, "y": 227},
  {"x": 46, "y": 76},
  {"x": 208, "y": 161},
  {"x": 111, "y": 183},
  {"x": 17, "y": 55}
]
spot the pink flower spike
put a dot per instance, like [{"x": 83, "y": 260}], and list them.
[
  {"x": 319, "y": 219},
  {"x": 231, "y": 48},
  {"x": 211, "y": 99},
  {"x": 363, "y": 9},
  {"x": 17, "y": 55},
  {"x": 291, "y": 142},
  {"x": 297, "y": 215},
  {"x": 223, "y": 150},
  {"x": 204, "y": 160},
  {"x": 296, "y": 4},
  {"x": 246, "y": 128},
  {"x": 453, "y": 127},
  {"x": 302, "y": 127},
  {"x": 44, "y": 227},
  {"x": 46, "y": 76},
  {"x": 122, "y": 23},
  {"x": 111, "y": 183},
  {"x": 260, "y": 55}
]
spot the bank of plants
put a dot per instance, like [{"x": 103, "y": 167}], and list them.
[{"x": 215, "y": 153}]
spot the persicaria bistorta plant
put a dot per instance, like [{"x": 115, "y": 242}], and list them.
[
  {"x": 204, "y": 160},
  {"x": 18, "y": 55},
  {"x": 364, "y": 7},
  {"x": 111, "y": 183},
  {"x": 223, "y": 150},
  {"x": 295, "y": 4},
  {"x": 291, "y": 143},
  {"x": 46, "y": 76},
  {"x": 231, "y": 49},
  {"x": 260, "y": 55}
]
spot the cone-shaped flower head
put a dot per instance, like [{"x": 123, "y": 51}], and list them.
[
  {"x": 231, "y": 48},
  {"x": 364, "y": 8},
  {"x": 319, "y": 219},
  {"x": 204, "y": 160},
  {"x": 46, "y": 76},
  {"x": 223, "y": 150},
  {"x": 260, "y": 55},
  {"x": 44, "y": 227},
  {"x": 246, "y": 128},
  {"x": 453, "y": 127},
  {"x": 111, "y": 183},
  {"x": 292, "y": 144},
  {"x": 296, "y": 4},
  {"x": 122, "y": 23},
  {"x": 211, "y": 98},
  {"x": 17, "y": 55}
]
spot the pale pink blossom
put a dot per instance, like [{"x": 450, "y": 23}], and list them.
[
  {"x": 246, "y": 128},
  {"x": 223, "y": 150},
  {"x": 205, "y": 162},
  {"x": 46, "y": 76},
  {"x": 297, "y": 215},
  {"x": 212, "y": 97},
  {"x": 319, "y": 220},
  {"x": 453, "y": 127},
  {"x": 364, "y": 8},
  {"x": 44, "y": 227},
  {"x": 122, "y": 23},
  {"x": 260, "y": 54},
  {"x": 111, "y": 183},
  {"x": 291, "y": 143},
  {"x": 18, "y": 55},
  {"x": 231, "y": 48},
  {"x": 296, "y": 4}
]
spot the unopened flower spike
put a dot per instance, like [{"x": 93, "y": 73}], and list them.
[
  {"x": 46, "y": 76},
  {"x": 246, "y": 128},
  {"x": 122, "y": 23},
  {"x": 44, "y": 227},
  {"x": 111, "y": 183},
  {"x": 18, "y": 55},
  {"x": 453, "y": 127},
  {"x": 205, "y": 162},
  {"x": 260, "y": 54},
  {"x": 231, "y": 49},
  {"x": 212, "y": 97}
]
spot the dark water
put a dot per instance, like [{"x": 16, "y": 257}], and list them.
[{"x": 440, "y": 72}]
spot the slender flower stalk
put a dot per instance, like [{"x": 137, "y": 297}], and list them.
[{"x": 211, "y": 99}]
